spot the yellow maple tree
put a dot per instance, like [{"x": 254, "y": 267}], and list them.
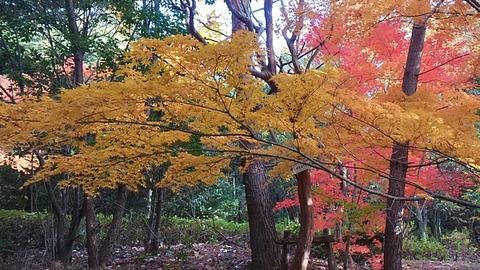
[{"x": 204, "y": 90}]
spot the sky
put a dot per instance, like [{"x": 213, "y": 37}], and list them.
[{"x": 220, "y": 9}]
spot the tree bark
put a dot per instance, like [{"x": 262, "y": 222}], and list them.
[
  {"x": 260, "y": 218},
  {"x": 149, "y": 232},
  {"x": 76, "y": 40},
  {"x": 399, "y": 159},
  {"x": 158, "y": 219},
  {"x": 64, "y": 239},
  {"x": 154, "y": 222},
  {"x": 65, "y": 245},
  {"x": 78, "y": 69},
  {"x": 261, "y": 221},
  {"x": 396, "y": 187},
  {"x": 31, "y": 194},
  {"x": 421, "y": 217},
  {"x": 305, "y": 236},
  {"x": 91, "y": 228},
  {"x": 114, "y": 228},
  {"x": 414, "y": 58}
]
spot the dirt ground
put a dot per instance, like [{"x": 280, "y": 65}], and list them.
[{"x": 196, "y": 256}]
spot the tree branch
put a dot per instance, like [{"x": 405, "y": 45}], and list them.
[
  {"x": 474, "y": 4},
  {"x": 10, "y": 96}
]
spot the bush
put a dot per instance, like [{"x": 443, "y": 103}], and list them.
[
  {"x": 287, "y": 225},
  {"x": 176, "y": 230},
  {"x": 20, "y": 230},
  {"x": 11, "y": 197},
  {"x": 424, "y": 250},
  {"x": 459, "y": 246}
]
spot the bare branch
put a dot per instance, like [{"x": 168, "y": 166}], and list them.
[
  {"x": 271, "y": 66},
  {"x": 474, "y": 4},
  {"x": 292, "y": 39},
  {"x": 189, "y": 8},
  {"x": 442, "y": 64},
  {"x": 9, "y": 95}
]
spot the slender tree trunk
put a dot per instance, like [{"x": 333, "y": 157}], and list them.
[
  {"x": 155, "y": 207},
  {"x": 65, "y": 250},
  {"x": 422, "y": 227},
  {"x": 60, "y": 228},
  {"x": 146, "y": 21},
  {"x": 434, "y": 221},
  {"x": 99, "y": 257},
  {"x": 76, "y": 40},
  {"x": 396, "y": 187},
  {"x": 158, "y": 220},
  {"x": 421, "y": 218},
  {"x": 78, "y": 70},
  {"x": 260, "y": 218},
  {"x": 64, "y": 239},
  {"x": 91, "y": 228},
  {"x": 149, "y": 235},
  {"x": 414, "y": 58},
  {"x": 114, "y": 228},
  {"x": 238, "y": 181},
  {"x": 31, "y": 205},
  {"x": 154, "y": 221},
  {"x": 399, "y": 159},
  {"x": 60, "y": 225},
  {"x": 305, "y": 236},
  {"x": 346, "y": 258}
]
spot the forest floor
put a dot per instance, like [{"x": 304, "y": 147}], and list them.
[{"x": 196, "y": 256}]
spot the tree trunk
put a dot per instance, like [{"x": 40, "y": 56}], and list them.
[
  {"x": 305, "y": 237},
  {"x": 76, "y": 39},
  {"x": 421, "y": 217},
  {"x": 396, "y": 187},
  {"x": 60, "y": 228},
  {"x": 414, "y": 58},
  {"x": 77, "y": 214},
  {"x": 114, "y": 228},
  {"x": 64, "y": 242},
  {"x": 399, "y": 159},
  {"x": 260, "y": 218},
  {"x": 31, "y": 195},
  {"x": 154, "y": 221},
  {"x": 346, "y": 258},
  {"x": 91, "y": 228},
  {"x": 149, "y": 231},
  {"x": 78, "y": 70},
  {"x": 261, "y": 221}
]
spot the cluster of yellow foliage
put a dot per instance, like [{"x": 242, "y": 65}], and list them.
[{"x": 317, "y": 118}]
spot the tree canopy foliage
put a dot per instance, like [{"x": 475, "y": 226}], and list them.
[{"x": 176, "y": 88}]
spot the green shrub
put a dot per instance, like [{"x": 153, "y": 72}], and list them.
[
  {"x": 176, "y": 230},
  {"x": 459, "y": 245},
  {"x": 287, "y": 225},
  {"x": 20, "y": 230},
  {"x": 424, "y": 250}
]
